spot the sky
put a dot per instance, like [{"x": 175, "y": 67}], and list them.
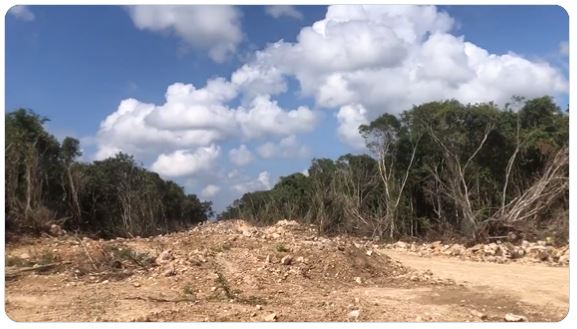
[{"x": 226, "y": 99}]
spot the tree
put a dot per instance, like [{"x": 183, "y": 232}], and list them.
[{"x": 383, "y": 137}]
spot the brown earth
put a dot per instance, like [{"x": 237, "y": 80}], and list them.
[{"x": 232, "y": 271}]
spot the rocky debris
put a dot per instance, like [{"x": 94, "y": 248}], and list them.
[
  {"x": 286, "y": 260},
  {"x": 169, "y": 272},
  {"x": 510, "y": 317},
  {"x": 270, "y": 317},
  {"x": 497, "y": 252},
  {"x": 479, "y": 315},
  {"x": 56, "y": 230},
  {"x": 354, "y": 315},
  {"x": 165, "y": 257}
]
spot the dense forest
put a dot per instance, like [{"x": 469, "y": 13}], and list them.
[
  {"x": 439, "y": 170},
  {"x": 45, "y": 185}
]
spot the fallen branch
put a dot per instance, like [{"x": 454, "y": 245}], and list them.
[
  {"x": 160, "y": 300},
  {"x": 15, "y": 272}
]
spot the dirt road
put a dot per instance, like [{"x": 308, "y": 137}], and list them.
[
  {"x": 234, "y": 272},
  {"x": 536, "y": 284}
]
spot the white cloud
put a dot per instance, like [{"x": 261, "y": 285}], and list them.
[
  {"x": 350, "y": 117},
  {"x": 214, "y": 28},
  {"x": 210, "y": 191},
  {"x": 22, "y": 12},
  {"x": 359, "y": 61},
  {"x": 265, "y": 117},
  {"x": 287, "y": 147},
  {"x": 241, "y": 156},
  {"x": 267, "y": 150},
  {"x": 193, "y": 117},
  {"x": 254, "y": 80},
  {"x": 564, "y": 48},
  {"x": 388, "y": 58},
  {"x": 186, "y": 163},
  {"x": 262, "y": 182},
  {"x": 277, "y": 11}
]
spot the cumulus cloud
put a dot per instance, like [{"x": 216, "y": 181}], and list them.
[
  {"x": 22, "y": 12},
  {"x": 265, "y": 117},
  {"x": 213, "y": 28},
  {"x": 193, "y": 117},
  {"x": 283, "y": 10},
  {"x": 350, "y": 117},
  {"x": 241, "y": 156},
  {"x": 388, "y": 58},
  {"x": 210, "y": 191},
  {"x": 287, "y": 147},
  {"x": 262, "y": 182},
  {"x": 360, "y": 61},
  {"x": 185, "y": 162}
]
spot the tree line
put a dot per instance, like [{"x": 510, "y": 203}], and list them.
[
  {"x": 45, "y": 185},
  {"x": 439, "y": 169}
]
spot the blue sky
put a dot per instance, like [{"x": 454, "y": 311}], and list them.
[{"x": 76, "y": 64}]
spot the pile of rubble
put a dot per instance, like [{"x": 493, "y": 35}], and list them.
[{"x": 498, "y": 252}]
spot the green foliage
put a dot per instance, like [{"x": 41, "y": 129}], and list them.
[
  {"x": 188, "y": 291},
  {"x": 112, "y": 197},
  {"x": 454, "y": 180},
  {"x": 281, "y": 247}
]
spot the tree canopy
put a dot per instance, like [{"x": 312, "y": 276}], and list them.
[{"x": 438, "y": 169}]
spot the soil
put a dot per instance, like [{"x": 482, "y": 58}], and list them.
[{"x": 231, "y": 271}]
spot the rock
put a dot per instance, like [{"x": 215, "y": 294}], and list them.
[
  {"x": 213, "y": 289},
  {"x": 358, "y": 280},
  {"x": 437, "y": 245},
  {"x": 259, "y": 307},
  {"x": 401, "y": 245},
  {"x": 419, "y": 318},
  {"x": 476, "y": 248},
  {"x": 56, "y": 230},
  {"x": 246, "y": 233},
  {"x": 25, "y": 256},
  {"x": 136, "y": 284},
  {"x": 354, "y": 315},
  {"x": 478, "y": 314},
  {"x": 369, "y": 252},
  {"x": 169, "y": 272},
  {"x": 510, "y": 317},
  {"x": 270, "y": 317},
  {"x": 164, "y": 257},
  {"x": 286, "y": 260},
  {"x": 301, "y": 259},
  {"x": 268, "y": 259}
]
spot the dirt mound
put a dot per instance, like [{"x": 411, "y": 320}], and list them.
[{"x": 225, "y": 271}]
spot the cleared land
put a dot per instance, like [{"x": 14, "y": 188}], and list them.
[{"x": 231, "y": 271}]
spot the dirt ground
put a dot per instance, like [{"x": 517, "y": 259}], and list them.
[{"x": 235, "y": 272}]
